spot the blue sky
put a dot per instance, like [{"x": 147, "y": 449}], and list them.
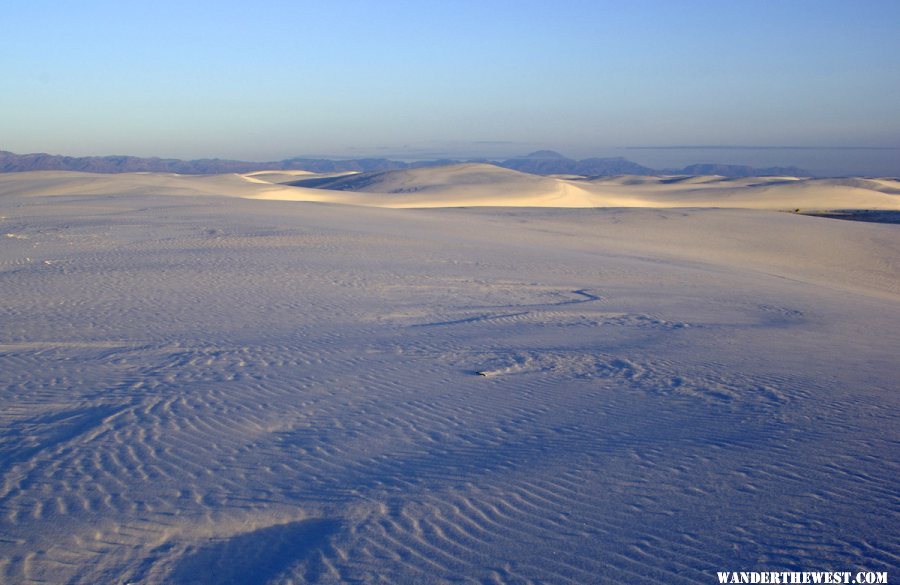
[{"x": 271, "y": 79}]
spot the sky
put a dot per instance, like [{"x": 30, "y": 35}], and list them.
[{"x": 272, "y": 79}]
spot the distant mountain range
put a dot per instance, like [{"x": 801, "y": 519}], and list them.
[
  {"x": 548, "y": 162},
  {"x": 543, "y": 162}
]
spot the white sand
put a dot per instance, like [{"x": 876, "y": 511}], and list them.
[
  {"x": 208, "y": 389},
  {"x": 479, "y": 185},
  {"x": 469, "y": 185}
]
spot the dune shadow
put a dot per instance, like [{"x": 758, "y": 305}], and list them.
[
  {"x": 252, "y": 557},
  {"x": 870, "y": 215}
]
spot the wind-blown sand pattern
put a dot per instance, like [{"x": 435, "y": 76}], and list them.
[{"x": 197, "y": 387}]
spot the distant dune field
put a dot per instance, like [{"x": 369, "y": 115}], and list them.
[
  {"x": 271, "y": 378},
  {"x": 469, "y": 185}
]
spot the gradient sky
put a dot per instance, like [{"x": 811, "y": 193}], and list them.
[{"x": 271, "y": 79}]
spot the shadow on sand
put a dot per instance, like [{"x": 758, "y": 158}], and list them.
[
  {"x": 252, "y": 557},
  {"x": 871, "y": 215}
]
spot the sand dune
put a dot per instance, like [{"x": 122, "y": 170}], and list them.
[
  {"x": 450, "y": 186},
  {"x": 286, "y": 177},
  {"x": 480, "y": 185},
  {"x": 773, "y": 193},
  {"x": 197, "y": 387},
  {"x": 67, "y": 183},
  {"x": 487, "y": 185}
]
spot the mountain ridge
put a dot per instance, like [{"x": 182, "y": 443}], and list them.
[{"x": 542, "y": 162}]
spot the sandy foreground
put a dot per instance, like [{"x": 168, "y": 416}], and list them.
[{"x": 199, "y": 386}]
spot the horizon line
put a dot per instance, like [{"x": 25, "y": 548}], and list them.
[{"x": 757, "y": 147}]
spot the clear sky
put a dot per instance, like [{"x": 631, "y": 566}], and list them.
[{"x": 271, "y": 79}]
